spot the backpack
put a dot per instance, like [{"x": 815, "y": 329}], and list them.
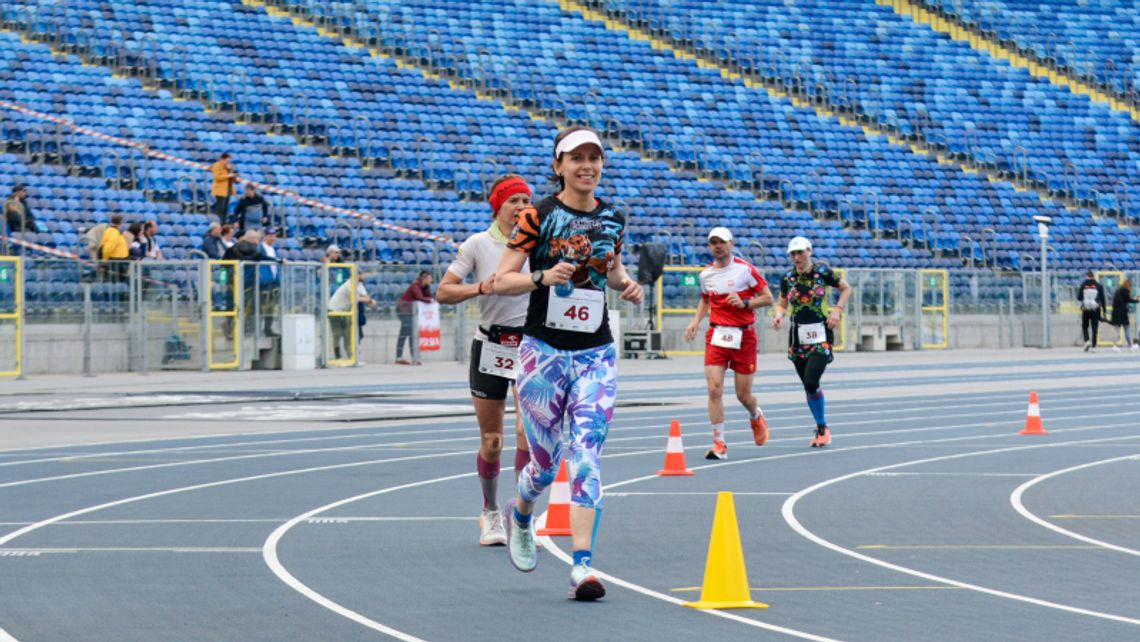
[
  {"x": 93, "y": 238},
  {"x": 1089, "y": 302}
]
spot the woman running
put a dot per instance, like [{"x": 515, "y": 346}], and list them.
[
  {"x": 567, "y": 359},
  {"x": 494, "y": 351},
  {"x": 811, "y": 333}
]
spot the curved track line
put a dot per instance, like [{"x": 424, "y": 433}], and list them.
[
  {"x": 214, "y": 484},
  {"x": 269, "y": 549},
  {"x": 269, "y": 554},
  {"x": 1015, "y": 501},
  {"x": 788, "y": 512}
]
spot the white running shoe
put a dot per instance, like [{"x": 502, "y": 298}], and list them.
[
  {"x": 1116, "y": 348},
  {"x": 491, "y": 529},
  {"x": 520, "y": 541},
  {"x": 1134, "y": 347},
  {"x": 585, "y": 586},
  {"x": 1092, "y": 349},
  {"x": 1088, "y": 344}
]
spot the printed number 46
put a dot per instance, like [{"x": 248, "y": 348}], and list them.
[{"x": 580, "y": 313}]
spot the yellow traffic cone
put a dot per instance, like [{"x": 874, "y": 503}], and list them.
[{"x": 726, "y": 579}]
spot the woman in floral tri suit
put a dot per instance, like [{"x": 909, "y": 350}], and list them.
[{"x": 810, "y": 335}]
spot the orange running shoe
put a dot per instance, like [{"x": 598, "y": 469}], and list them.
[
  {"x": 822, "y": 438},
  {"x": 718, "y": 451},
  {"x": 759, "y": 430}
]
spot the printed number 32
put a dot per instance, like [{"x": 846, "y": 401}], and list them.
[
  {"x": 505, "y": 363},
  {"x": 580, "y": 313}
]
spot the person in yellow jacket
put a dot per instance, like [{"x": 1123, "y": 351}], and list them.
[
  {"x": 113, "y": 246},
  {"x": 224, "y": 177}
]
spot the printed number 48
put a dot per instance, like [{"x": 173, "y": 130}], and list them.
[{"x": 580, "y": 313}]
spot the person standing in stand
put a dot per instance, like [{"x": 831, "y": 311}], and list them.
[{"x": 223, "y": 187}]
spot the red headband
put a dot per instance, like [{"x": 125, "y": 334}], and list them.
[{"x": 505, "y": 190}]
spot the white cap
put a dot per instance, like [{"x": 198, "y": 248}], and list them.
[
  {"x": 332, "y": 248},
  {"x": 576, "y": 139},
  {"x": 798, "y": 243},
  {"x": 721, "y": 233}
]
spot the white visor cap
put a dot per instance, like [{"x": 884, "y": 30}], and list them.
[
  {"x": 576, "y": 139},
  {"x": 798, "y": 243},
  {"x": 721, "y": 233}
]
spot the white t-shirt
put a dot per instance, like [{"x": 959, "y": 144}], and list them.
[
  {"x": 341, "y": 300},
  {"x": 481, "y": 253}
]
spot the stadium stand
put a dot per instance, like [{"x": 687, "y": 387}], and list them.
[{"x": 413, "y": 130}]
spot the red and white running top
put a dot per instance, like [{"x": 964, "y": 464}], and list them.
[{"x": 717, "y": 283}]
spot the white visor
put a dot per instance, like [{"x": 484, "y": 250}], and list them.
[{"x": 577, "y": 139}]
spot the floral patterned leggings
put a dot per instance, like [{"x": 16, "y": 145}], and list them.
[{"x": 556, "y": 385}]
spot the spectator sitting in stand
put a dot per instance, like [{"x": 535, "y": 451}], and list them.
[
  {"x": 227, "y": 237},
  {"x": 17, "y": 212},
  {"x": 135, "y": 241},
  {"x": 151, "y": 249},
  {"x": 332, "y": 254},
  {"x": 212, "y": 242}
]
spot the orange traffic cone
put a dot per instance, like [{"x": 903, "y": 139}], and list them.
[
  {"x": 558, "y": 513},
  {"x": 1033, "y": 418},
  {"x": 675, "y": 454}
]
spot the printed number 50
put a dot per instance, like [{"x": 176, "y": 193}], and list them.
[{"x": 580, "y": 313}]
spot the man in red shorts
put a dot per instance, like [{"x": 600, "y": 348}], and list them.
[{"x": 731, "y": 290}]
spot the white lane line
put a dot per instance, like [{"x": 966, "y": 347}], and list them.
[
  {"x": 269, "y": 554},
  {"x": 950, "y": 474},
  {"x": 130, "y": 549},
  {"x": 456, "y": 440},
  {"x": 550, "y": 546},
  {"x": 270, "y": 548},
  {"x": 278, "y": 520},
  {"x": 5, "y": 637},
  {"x": 214, "y": 484},
  {"x": 788, "y": 512},
  {"x": 692, "y": 494},
  {"x": 881, "y": 407},
  {"x": 1015, "y": 500}
]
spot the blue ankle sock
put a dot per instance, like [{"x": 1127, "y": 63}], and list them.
[
  {"x": 582, "y": 557},
  {"x": 520, "y": 519},
  {"x": 815, "y": 402}
]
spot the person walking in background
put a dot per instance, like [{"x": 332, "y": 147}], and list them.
[
  {"x": 1121, "y": 299},
  {"x": 1090, "y": 296},
  {"x": 223, "y": 188},
  {"x": 419, "y": 290}
]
